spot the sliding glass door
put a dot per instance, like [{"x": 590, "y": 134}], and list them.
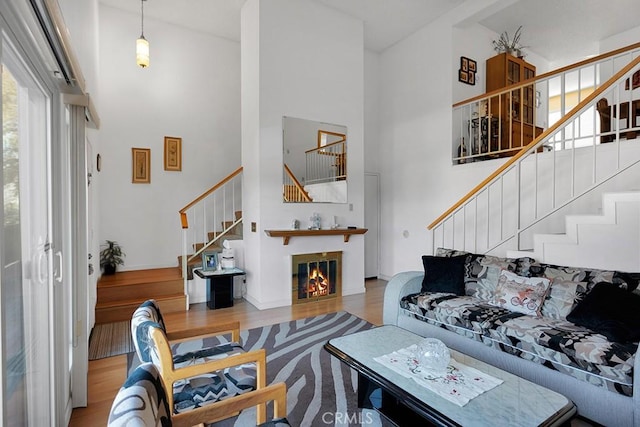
[{"x": 26, "y": 257}]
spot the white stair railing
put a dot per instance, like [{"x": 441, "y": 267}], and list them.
[
  {"x": 327, "y": 163},
  {"x": 501, "y": 122},
  {"x": 218, "y": 211},
  {"x": 502, "y": 212}
]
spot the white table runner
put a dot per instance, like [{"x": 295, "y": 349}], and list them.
[{"x": 458, "y": 384}]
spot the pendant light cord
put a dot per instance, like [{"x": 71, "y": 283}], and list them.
[{"x": 142, "y": 18}]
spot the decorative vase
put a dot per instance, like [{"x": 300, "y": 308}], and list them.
[{"x": 433, "y": 355}]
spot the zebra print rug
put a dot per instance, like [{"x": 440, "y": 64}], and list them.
[{"x": 321, "y": 391}]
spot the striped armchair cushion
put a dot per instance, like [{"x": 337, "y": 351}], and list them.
[
  {"x": 196, "y": 391},
  {"x": 141, "y": 401}
]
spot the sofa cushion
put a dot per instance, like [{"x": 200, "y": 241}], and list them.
[
  {"x": 627, "y": 281},
  {"x": 520, "y": 294},
  {"x": 444, "y": 274},
  {"x": 482, "y": 271},
  {"x": 610, "y": 311},
  {"x": 564, "y": 343},
  {"x": 453, "y": 311},
  {"x": 444, "y": 252},
  {"x": 561, "y": 298}
]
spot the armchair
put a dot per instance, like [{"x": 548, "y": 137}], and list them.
[
  {"x": 201, "y": 378},
  {"x": 629, "y": 111},
  {"x": 143, "y": 401}
]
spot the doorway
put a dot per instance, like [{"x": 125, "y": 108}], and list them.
[{"x": 372, "y": 223}]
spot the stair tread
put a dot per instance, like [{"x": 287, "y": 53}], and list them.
[
  {"x": 126, "y": 278},
  {"x": 120, "y": 303}
]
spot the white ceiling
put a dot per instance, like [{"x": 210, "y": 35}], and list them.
[
  {"x": 565, "y": 29},
  {"x": 554, "y": 29},
  {"x": 385, "y": 21}
]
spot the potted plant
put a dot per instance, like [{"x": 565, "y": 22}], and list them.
[
  {"x": 111, "y": 256},
  {"x": 509, "y": 45}
]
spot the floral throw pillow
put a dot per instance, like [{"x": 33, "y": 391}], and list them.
[
  {"x": 520, "y": 294},
  {"x": 562, "y": 298}
]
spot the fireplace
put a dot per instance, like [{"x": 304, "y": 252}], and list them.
[{"x": 316, "y": 276}]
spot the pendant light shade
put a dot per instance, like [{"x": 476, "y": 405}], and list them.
[
  {"x": 142, "y": 52},
  {"x": 142, "y": 45}
]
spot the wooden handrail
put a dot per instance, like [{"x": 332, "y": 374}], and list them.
[
  {"x": 183, "y": 211},
  {"x": 324, "y": 147},
  {"x": 297, "y": 184},
  {"x": 538, "y": 140},
  {"x": 528, "y": 82}
]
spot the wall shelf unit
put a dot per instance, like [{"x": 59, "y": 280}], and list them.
[{"x": 287, "y": 234}]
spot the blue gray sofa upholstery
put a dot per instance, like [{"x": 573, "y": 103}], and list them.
[{"x": 593, "y": 366}]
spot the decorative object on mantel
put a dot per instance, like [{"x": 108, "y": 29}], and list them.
[
  {"x": 314, "y": 221},
  {"x": 467, "y": 71},
  {"x": 172, "y": 153},
  {"x": 511, "y": 46},
  {"x": 287, "y": 234},
  {"x": 295, "y": 224}
]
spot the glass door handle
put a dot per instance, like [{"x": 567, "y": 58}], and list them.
[{"x": 58, "y": 273}]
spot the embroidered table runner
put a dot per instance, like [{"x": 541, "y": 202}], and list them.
[{"x": 458, "y": 384}]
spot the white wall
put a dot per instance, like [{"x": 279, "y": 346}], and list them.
[
  {"x": 190, "y": 90},
  {"x": 289, "y": 49},
  {"x": 81, "y": 19},
  {"x": 371, "y": 111},
  {"x": 418, "y": 181}
]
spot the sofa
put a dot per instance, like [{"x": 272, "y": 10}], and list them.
[{"x": 572, "y": 330}]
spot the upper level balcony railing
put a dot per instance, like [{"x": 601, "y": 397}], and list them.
[
  {"x": 591, "y": 147},
  {"x": 499, "y": 123}
]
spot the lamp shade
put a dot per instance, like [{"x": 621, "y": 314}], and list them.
[{"x": 142, "y": 52}]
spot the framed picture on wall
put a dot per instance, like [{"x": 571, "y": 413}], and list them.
[
  {"x": 172, "y": 153},
  {"x": 467, "y": 71},
  {"x": 141, "y": 165}
]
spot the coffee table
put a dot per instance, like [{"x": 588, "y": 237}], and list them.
[{"x": 514, "y": 402}]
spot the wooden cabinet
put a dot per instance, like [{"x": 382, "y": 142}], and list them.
[{"x": 515, "y": 109}]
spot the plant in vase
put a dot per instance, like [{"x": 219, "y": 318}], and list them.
[
  {"x": 111, "y": 256},
  {"x": 511, "y": 46}
]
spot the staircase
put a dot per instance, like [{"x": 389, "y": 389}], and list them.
[
  {"x": 231, "y": 230},
  {"x": 121, "y": 293},
  {"x": 610, "y": 240},
  {"x": 562, "y": 172}
]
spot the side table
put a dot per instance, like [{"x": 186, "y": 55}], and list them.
[{"x": 220, "y": 286}]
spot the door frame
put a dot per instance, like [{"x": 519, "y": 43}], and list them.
[{"x": 370, "y": 234}]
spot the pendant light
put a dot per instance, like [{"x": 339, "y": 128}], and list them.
[{"x": 142, "y": 45}]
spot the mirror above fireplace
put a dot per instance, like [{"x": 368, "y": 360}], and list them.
[{"x": 315, "y": 161}]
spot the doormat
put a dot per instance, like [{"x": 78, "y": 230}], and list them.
[{"x": 110, "y": 339}]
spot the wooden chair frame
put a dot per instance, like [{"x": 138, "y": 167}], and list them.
[
  {"x": 275, "y": 392},
  {"x": 170, "y": 374}
]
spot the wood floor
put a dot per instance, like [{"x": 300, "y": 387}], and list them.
[{"x": 106, "y": 376}]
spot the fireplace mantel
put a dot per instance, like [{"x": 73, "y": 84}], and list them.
[{"x": 287, "y": 234}]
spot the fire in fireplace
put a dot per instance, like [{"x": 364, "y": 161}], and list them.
[{"x": 316, "y": 276}]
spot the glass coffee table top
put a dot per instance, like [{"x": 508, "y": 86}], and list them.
[{"x": 514, "y": 402}]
